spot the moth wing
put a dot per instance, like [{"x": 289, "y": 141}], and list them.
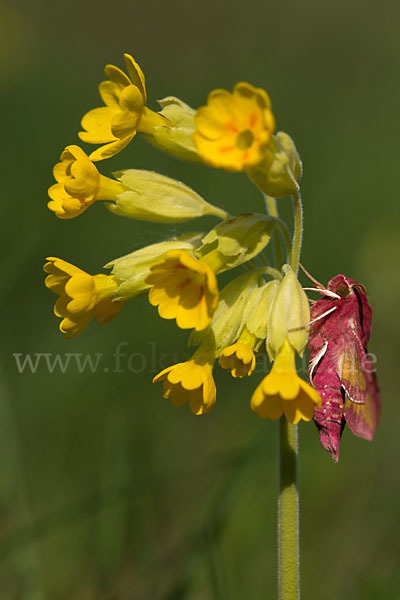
[
  {"x": 363, "y": 418},
  {"x": 365, "y": 313},
  {"x": 352, "y": 364}
]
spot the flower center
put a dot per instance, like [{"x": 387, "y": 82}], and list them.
[{"x": 244, "y": 139}]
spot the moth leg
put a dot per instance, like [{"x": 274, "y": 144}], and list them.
[
  {"x": 314, "y": 320},
  {"x": 317, "y": 283},
  {"x": 324, "y": 292}
]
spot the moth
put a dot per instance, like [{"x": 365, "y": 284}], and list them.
[{"x": 340, "y": 368}]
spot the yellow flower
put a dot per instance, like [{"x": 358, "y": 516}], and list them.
[
  {"x": 125, "y": 113},
  {"x": 79, "y": 184},
  {"x": 233, "y": 130},
  {"x": 82, "y": 296},
  {"x": 239, "y": 357},
  {"x": 282, "y": 391},
  {"x": 190, "y": 382},
  {"x": 184, "y": 288}
]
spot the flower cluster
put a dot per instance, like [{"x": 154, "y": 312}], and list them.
[{"x": 263, "y": 309}]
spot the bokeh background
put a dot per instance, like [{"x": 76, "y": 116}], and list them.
[{"x": 107, "y": 491}]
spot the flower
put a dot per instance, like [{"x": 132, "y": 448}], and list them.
[
  {"x": 125, "y": 113},
  {"x": 234, "y": 129},
  {"x": 131, "y": 270},
  {"x": 239, "y": 357},
  {"x": 184, "y": 288},
  {"x": 82, "y": 296},
  {"x": 150, "y": 196},
  {"x": 79, "y": 184},
  {"x": 282, "y": 391},
  {"x": 190, "y": 382},
  {"x": 289, "y": 316}
]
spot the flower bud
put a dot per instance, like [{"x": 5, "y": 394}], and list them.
[
  {"x": 176, "y": 138},
  {"x": 290, "y": 312},
  {"x": 130, "y": 271},
  {"x": 279, "y": 173},
  {"x": 157, "y": 198},
  {"x": 228, "y": 320},
  {"x": 237, "y": 240},
  {"x": 259, "y": 307}
]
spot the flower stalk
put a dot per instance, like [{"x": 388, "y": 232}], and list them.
[
  {"x": 288, "y": 513},
  {"x": 298, "y": 231}
]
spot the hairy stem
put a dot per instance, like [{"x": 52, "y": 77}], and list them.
[
  {"x": 298, "y": 231},
  {"x": 272, "y": 210},
  {"x": 288, "y": 514}
]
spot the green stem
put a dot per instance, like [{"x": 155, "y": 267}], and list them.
[
  {"x": 272, "y": 210},
  {"x": 284, "y": 230},
  {"x": 298, "y": 231},
  {"x": 288, "y": 514},
  {"x": 275, "y": 274}
]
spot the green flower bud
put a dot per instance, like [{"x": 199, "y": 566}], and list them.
[
  {"x": 131, "y": 270},
  {"x": 259, "y": 307},
  {"x": 176, "y": 139},
  {"x": 280, "y": 173},
  {"x": 235, "y": 241},
  {"x": 290, "y": 312},
  {"x": 154, "y": 197},
  {"x": 229, "y": 318}
]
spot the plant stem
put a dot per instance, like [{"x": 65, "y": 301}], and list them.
[
  {"x": 272, "y": 210},
  {"x": 284, "y": 230},
  {"x": 298, "y": 231},
  {"x": 288, "y": 514}
]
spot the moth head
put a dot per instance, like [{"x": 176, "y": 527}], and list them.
[{"x": 344, "y": 286}]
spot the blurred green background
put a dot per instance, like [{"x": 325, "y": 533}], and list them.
[{"x": 107, "y": 491}]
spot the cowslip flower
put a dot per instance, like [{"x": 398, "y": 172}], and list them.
[
  {"x": 81, "y": 296},
  {"x": 233, "y": 130},
  {"x": 239, "y": 357},
  {"x": 79, "y": 184},
  {"x": 124, "y": 113},
  {"x": 184, "y": 288},
  {"x": 131, "y": 270},
  {"x": 191, "y": 383},
  {"x": 282, "y": 391}
]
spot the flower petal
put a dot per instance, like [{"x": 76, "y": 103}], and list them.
[
  {"x": 97, "y": 123},
  {"x": 136, "y": 74}
]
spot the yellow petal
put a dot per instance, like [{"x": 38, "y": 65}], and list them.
[
  {"x": 175, "y": 394},
  {"x": 110, "y": 93},
  {"x": 117, "y": 76},
  {"x": 162, "y": 375},
  {"x": 107, "y": 310},
  {"x": 124, "y": 124},
  {"x": 210, "y": 123},
  {"x": 136, "y": 74},
  {"x": 131, "y": 99},
  {"x": 97, "y": 123},
  {"x": 300, "y": 408},
  {"x": 111, "y": 149},
  {"x": 311, "y": 392},
  {"x": 82, "y": 290}
]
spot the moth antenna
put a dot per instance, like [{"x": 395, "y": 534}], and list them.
[
  {"x": 324, "y": 292},
  {"x": 317, "y": 283},
  {"x": 327, "y": 312}
]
